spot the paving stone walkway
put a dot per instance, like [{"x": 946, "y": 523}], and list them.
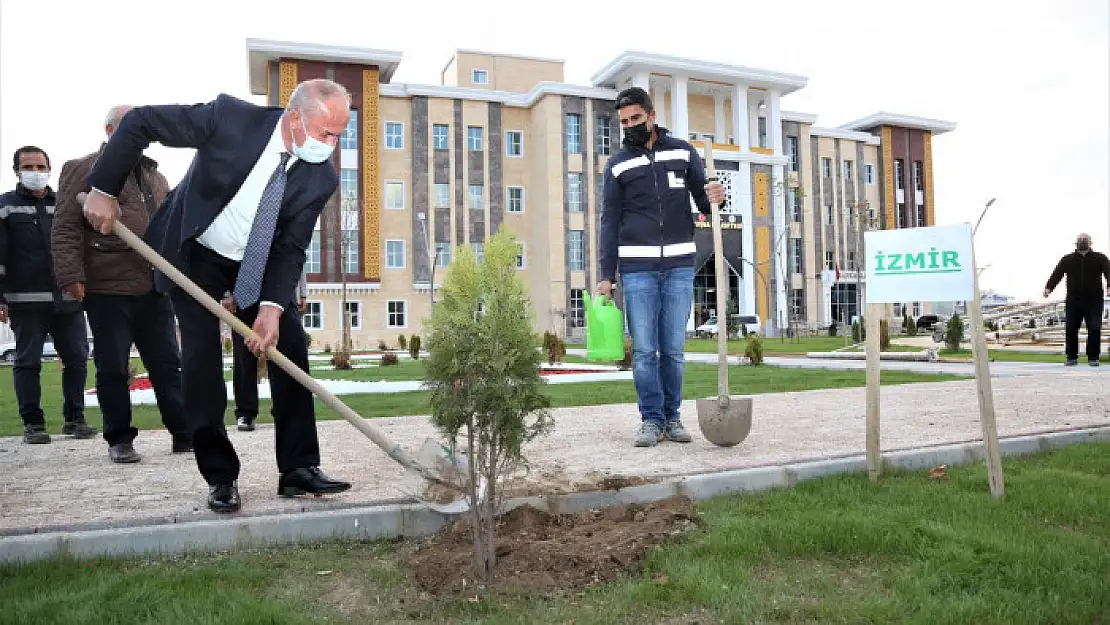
[{"x": 72, "y": 484}]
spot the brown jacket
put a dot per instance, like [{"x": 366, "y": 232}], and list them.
[{"x": 104, "y": 262}]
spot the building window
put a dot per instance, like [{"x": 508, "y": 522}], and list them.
[
  {"x": 394, "y": 136},
  {"x": 440, "y": 138},
  {"x": 520, "y": 257},
  {"x": 826, "y": 167},
  {"x": 474, "y": 138},
  {"x": 869, "y": 174},
  {"x": 576, "y": 256},
  {"x": 479, "y": 77},
  {"x": 898, "y": 312},
  {"x": 574, "y": 192},
  {"x": 916, "y": 309},
  {"x": 851, "y": 217},
  {"x": 797, "y": 303},
  {"x": 577, "y": 314},
  {"x": 313, "y": 318},
  {"x": 829, "y": 261},
  {"x": 353, "y": 310},
  {"x": 395, "y": 194},
  {"x": 514, "y": 143},
  {"x": 443, "y": 195},
  {"x": 604, "y": 137},
  {"x": 920, "y": 215},
  {"x": 792, "y": 151},
  {"x": 848, "y": 171},
  {"x": 900, "y": 216},
  {"x": 514, "y": 200},
  {"x": 351, "y": 256},
  {"x": 851, "y": 261},
  {"x": 829, "y": 210},
  {"x": 395, "y": 254},
  {"x": 395, "y": 313},
  {"x": 899, "y": 183},
  {"x": 443, "y": 254},
  {"x": 762, "y": 126},
  {"x": 479, "y": 251},
  {"x": 312, "y": 254},
  {"x": 918, "y": 182},
  {"x": 574, "y": 133},
  {"x": 348, "y": 185},
  {"x": 349, "y": 139},
  {"x": 796, "y": 255},
  {"x": 795, "y": 201},
  {"x": 474, "y": 197}
]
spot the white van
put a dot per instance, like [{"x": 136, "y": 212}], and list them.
[{"x": 709, "y": 329}]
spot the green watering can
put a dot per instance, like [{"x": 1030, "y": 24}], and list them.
[{"x": 604, "y": 329}]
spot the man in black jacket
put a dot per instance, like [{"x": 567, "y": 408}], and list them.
[
  {"x": 239, "y": 221},
  {"x": 1085, "y": 269},
  {"x": 647, "y": 231},
  {"x": 35, "y": 306}
]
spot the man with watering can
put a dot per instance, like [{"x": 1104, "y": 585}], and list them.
[{"x": 647, "y": 233}]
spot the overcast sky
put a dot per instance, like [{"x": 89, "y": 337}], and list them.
[{"x": 1026, "y": 82}]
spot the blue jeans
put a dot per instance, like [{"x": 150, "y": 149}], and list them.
[{"x": 658, "y": 305}]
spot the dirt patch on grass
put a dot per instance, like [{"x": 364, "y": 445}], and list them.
[{"x": 544, "y": 552}]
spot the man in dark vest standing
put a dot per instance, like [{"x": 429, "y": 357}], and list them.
[{"x": 1085, "y": 269}]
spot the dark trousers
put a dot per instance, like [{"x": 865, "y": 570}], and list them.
[
  {"x": 203, "y": 379},
  {"x": 117, "y": 321},
  {"x": 244, "y": 375},
  {"x": 71, "y": 341},
  {"x": 1075, "y": 313}
]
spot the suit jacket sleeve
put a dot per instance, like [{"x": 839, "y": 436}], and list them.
[
  {"x": 67, "y": 235},
  {"x": 172, "y": 125},
  {"x": 1057, "y": 274},
  {"x": 286, "y": 261}
]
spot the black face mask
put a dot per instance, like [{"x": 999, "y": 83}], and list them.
[
  {"x": 638, "y": 135},
  {"x": 1083, "y": 245}
]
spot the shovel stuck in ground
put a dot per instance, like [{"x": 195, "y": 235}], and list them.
[
  {"x": 726, "y": 420},
  {"x": 436, "y": 477}
]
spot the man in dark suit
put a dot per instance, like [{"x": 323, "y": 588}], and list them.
[{"x": 239, "y": 221}]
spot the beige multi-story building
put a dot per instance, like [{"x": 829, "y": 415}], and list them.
[{"x": 503, "y": 143}]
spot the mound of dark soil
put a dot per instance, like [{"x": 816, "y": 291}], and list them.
[{"x": 543, "y": 552}]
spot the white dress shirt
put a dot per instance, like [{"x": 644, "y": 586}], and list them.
[{"x": 228, "y": 233}]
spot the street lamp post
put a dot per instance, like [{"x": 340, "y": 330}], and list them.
[{"x": 981, "y": 215}]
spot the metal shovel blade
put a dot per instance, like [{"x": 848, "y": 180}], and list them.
[
  {"x": 725, "y": 421},
  {"x": 451, "y": 468}
]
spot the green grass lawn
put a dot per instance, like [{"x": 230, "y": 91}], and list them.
[
  {"x": 700, "y": 381},
  {"x": 1009, "y": 355},
  {"x": 772, "y": 346},
  {"x": 837, "y": 550}
]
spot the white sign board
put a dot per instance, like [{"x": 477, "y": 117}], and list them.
[{"x": 932, "y": 264}]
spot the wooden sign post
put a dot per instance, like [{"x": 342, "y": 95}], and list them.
[{"x": 934, "y": 264}]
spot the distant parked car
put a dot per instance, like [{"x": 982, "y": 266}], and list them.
[
  {"x": 709, "y": 328},
  {"x": 927, "y": 322},
  {"x": 7, "y": 350}
]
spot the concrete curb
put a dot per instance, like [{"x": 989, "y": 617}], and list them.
[{"x": 411, "y": 520}]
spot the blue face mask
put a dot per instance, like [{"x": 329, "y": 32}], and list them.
[{"x": 313, "y": 150}]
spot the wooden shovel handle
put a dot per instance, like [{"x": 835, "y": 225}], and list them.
[{"x": 722, "y": 281}]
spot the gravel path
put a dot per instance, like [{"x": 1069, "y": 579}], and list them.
[{"x": 71, "y": 483}]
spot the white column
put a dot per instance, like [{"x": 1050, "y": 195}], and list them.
[
  {"x": 782, "y": 272},
  {"x": 740, "y": 116},
  {"x": 774, "y": 123},
  {"x": 720, "y": 133},
  {"x": 680, "y": 111},
  {"x": 742, "y": 196},
  {"x": 754, "y": 99},
  {"x": 641, "y": 80},
  {"x": 659, "y": 99}
]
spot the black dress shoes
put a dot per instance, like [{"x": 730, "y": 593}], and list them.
[
  {"x": 309, "y": 480},
  {"x": 224, "y": 498}
]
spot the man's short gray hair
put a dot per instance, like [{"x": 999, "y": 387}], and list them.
[
  {"x": 309, "y": 96},
  {"x": 115, "y": 114}
]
